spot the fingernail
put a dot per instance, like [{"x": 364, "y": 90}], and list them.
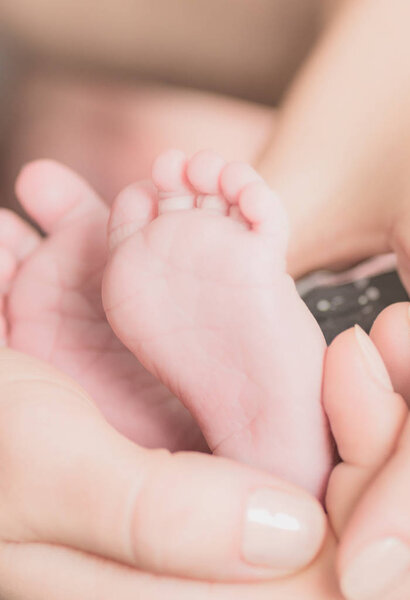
[
  {"x": 373, "y": 359},
  {"x": 376, "y": 570},
  {"x": 283, "y": 532}
]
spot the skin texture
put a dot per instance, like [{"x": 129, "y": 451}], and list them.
[
  {"x": 63, "y": 274},
  {"x": 382, "y": 511},
  {"x": 356, "y": 488},
  {"x": 197, "y": 288},
  {"x": 64, "y": 322},
  {"x": 91, "y": 512},
  {"x": 67, "y": 556},
  {"x": 356, "y": 191}
]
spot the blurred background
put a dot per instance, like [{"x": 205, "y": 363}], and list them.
[{"x": 104, "y": 86}]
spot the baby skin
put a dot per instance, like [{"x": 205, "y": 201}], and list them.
[
  {"x": 196, "y": 287},
  {"x": 51, "y": 306}
]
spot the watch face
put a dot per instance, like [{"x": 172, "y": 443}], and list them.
[{"x": 339, "y": 306}]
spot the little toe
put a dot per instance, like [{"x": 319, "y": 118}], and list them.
[
  {"x": 170, "y": 178},
  {"x": 53, "y": 195},
  {"x": 263, "y": 209},
  {"x": 133, "y": 208},
  {"x": 234, "y": 177}
]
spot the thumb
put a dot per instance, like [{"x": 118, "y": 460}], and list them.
[
  {"x": 69, "y": 479},
  {"x": 374, "y": 555}
]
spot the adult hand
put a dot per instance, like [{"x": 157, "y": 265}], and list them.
[
  {"x": 372, "y": 428},
  {"x": 85, "y": 513}
]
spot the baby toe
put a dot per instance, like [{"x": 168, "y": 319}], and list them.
[
  {"x": 170, "y": 178},
  {"x": 53, "y": 195},
  {"x": 263, "y": 209},
  {"x": 169, "y": 171},
  {"x": 234, "y": 177},
  {"x": 132, "y": 210},
  {"x": 204, "y": 170}
]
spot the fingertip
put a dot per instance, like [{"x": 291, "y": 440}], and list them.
[
  {"x": 364, "y": 412},
  {"x": 391, "y": 334},
  {"x": 252, "y": 526}
]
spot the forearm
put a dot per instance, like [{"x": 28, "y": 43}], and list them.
[{"x": 342, "y": 134}]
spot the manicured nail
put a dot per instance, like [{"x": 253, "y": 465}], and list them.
[
  {"x": 283, "y": 532},
  {"x": 376, "y": 570},
  {"x": 373, "y": 359}
]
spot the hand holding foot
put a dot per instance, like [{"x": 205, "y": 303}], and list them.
[
  {"x": 196, "y": 287},
  {"x": 374, "y": 555},
  {"x": 103, "y": 518}
]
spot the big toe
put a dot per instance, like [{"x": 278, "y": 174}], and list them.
[{"x": 53, "y": 195}]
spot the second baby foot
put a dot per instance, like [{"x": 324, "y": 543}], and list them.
[
  {"x": 51, "y": 308},
  {"x": 197, "y": 288}
]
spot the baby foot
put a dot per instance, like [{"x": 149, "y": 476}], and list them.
[
  {"x": 52, "y": 306},
  {"x": 196, "y": 287}
]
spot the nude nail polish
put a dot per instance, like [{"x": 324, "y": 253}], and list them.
[
  {"x": 283, "y": 531},
  {"x": 377, "y": 570},
  {"x": 373, "y": 359}
]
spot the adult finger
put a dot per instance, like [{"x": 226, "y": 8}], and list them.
[
  {"x": 391, "y": 334},
  {"x": 38, "y": 571},
  {"x": 69, "y": 479},
  {"x": 374, "y": 557},
  {"x": 366, "y": 417}
]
